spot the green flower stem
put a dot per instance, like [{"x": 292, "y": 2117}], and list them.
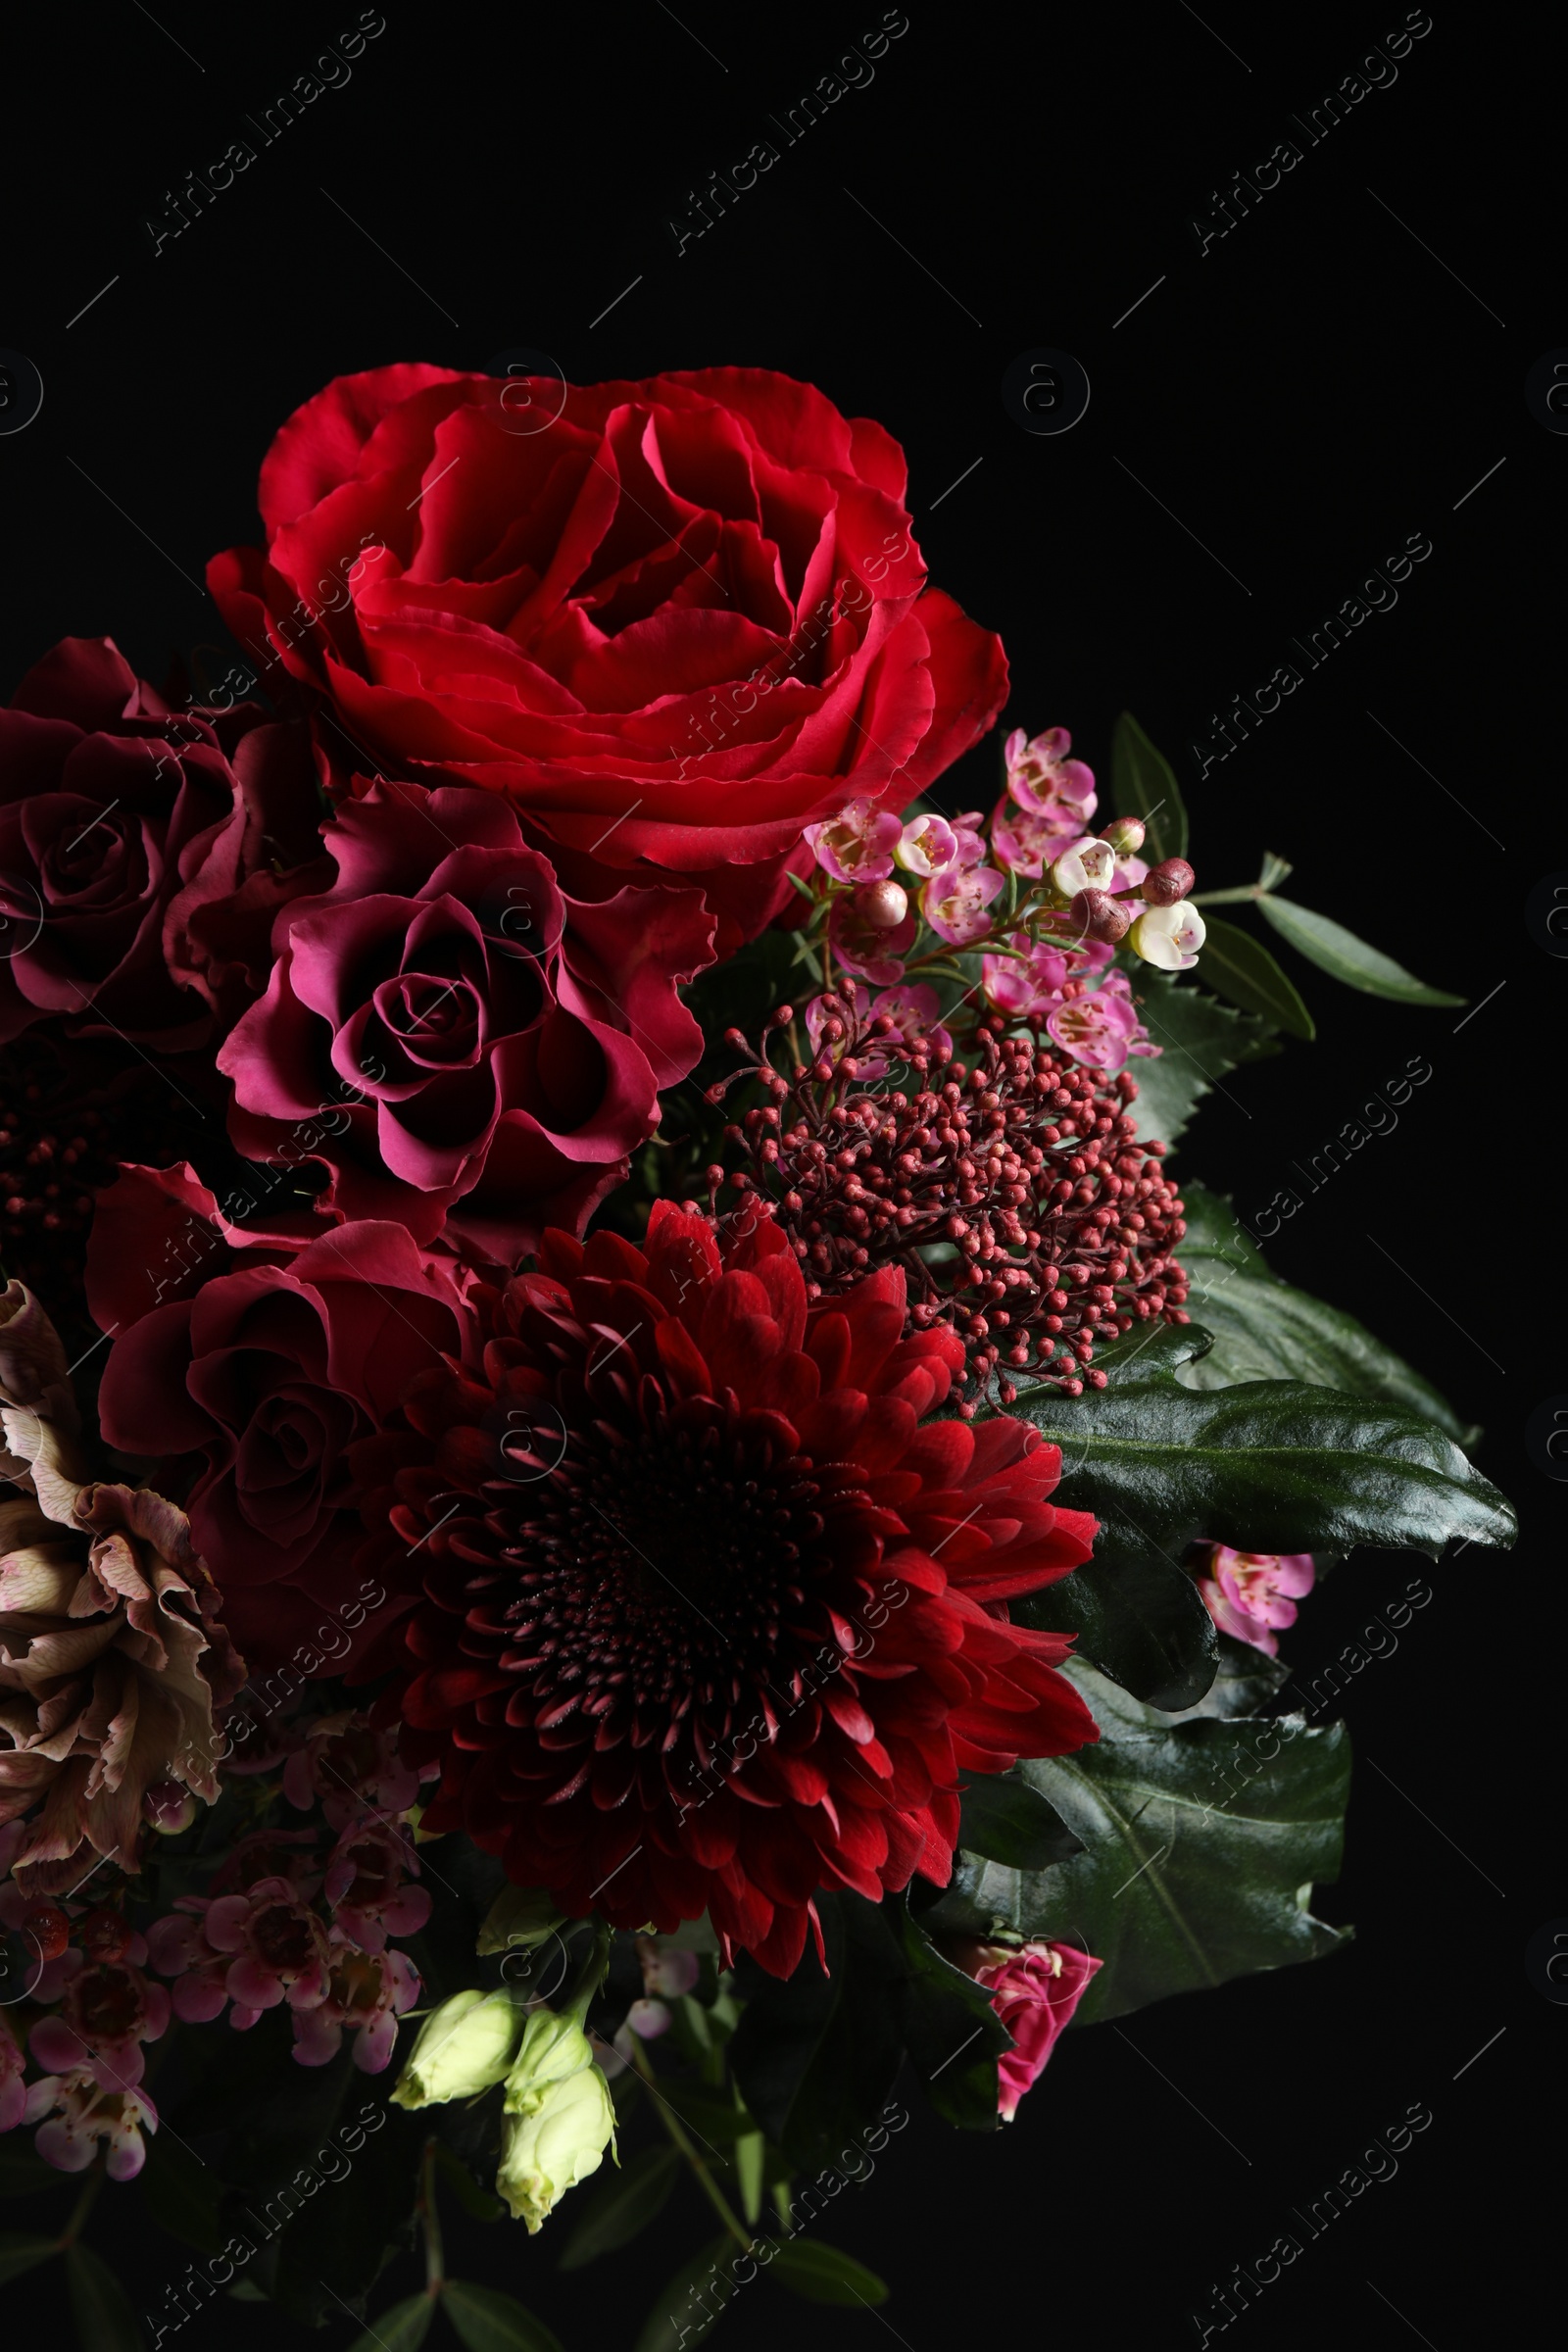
[
  {"x": 589, "y": 1977},
  {"x": 1228, "y": 898},
  {"x": 82, "y": 2207},
  {"x": 710, "y": 2188},
  {"x": 430, "y": 2218}
]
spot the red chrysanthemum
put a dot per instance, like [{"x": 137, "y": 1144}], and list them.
[{"x": 710, "y": 1619}]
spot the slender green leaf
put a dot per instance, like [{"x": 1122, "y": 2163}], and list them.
[
  {"x": 1270, "y": 1465},
  {"x": 1241, "y": 969},
  {"x": 489, "y": 2320},
  {"x": 183, "y": 2194},
  {"x": 1007, "y": 1821},
  {"x": 1142, "y": 784},
  {"x": 1264, "y": 1329},
  {"x": 99, "y": 2305},
  {"x": 465, "y": 2187},
  {"x": 692, "y": 2303},
  {"x": 826, "y": 2274},
  {"x": 24, "y": 2174},
  {"x": 402, "y": 2328},
  {"x": 21, "y": 2251},
  {"x": 1340, "y": 952},
  {"x": 953, "y": 2034},
  {"x": 621, "y": 2205},
  {"x": 1201, "y": 1842},
  {"x": 1201, "y": 1041},
  {"x": 750, "y": 2172}
]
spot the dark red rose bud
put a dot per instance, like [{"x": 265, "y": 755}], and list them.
[
  {"x": 882, "y": 904},
  {"x": 1102, "y": 916},
  {"x": 48, "y": 1926},
  {"x": 1171, "y": 879}
]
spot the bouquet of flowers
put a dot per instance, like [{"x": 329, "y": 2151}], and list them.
[{"x": 637, "y": 1512}]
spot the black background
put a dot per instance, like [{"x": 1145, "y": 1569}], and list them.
[{"x": 1315, "y": 389}]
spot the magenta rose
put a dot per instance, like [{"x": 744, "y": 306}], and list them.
[
  {"x": 110, "y": 800},
  {"x": 254, "y": 1377},
  {"x": 673, "y": 621},
  {"x": 500, "y": 1046}
]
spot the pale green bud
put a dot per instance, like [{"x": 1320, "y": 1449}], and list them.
[
  {"x": 559, "y": 2118},
  {"x": 465, "y": 2046}
]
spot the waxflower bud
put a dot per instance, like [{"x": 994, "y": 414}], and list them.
[
  {"x": 1125, "y": 835},
  {"x": 1164, "y": 884},
  {"x": 465, "y": 2046},
  {"x": 1169, "y": 937},
  {"x": 882, "y": 904},
  {"x": 1086, "y": 865},
  {"x": 1099, "y": 915},
  {"x": 559, "y": 2118}
]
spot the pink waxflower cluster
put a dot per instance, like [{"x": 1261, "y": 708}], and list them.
[{"x": 1251, "y": 1594}]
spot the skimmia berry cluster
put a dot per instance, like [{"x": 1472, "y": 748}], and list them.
[{"x": 1010, "y": 1188}]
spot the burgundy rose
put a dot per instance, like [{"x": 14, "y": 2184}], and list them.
[
  {"x": 253, "y": 1380},
  {"x": 673, "y": 621},
  {"x": 507, "y": 1044},
  {"x": 109, "y": 802}
]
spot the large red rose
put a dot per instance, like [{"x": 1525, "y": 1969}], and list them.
[
  {"x": 709, "y": 1620},
  {"x": 501, "y": 1046},
  {"x": 675, "y": 621},
  {"x": 248, "y": 1370},
  {"x": 110, "y": 803}
]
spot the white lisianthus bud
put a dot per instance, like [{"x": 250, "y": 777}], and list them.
[
  {"x": 466, "y": 2046},
  {"x": 1086, "y": 864},
  {"x": 1168, "y": 935},
  {"x": 559, "y": 2118}
]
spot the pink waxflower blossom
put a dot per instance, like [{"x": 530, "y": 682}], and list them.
[
  {"x": 270, "y": 1854},
  {"x": 13, "y": 2089},
  {"x": 276, "y": 1949},
  {"x": 1248, "y": 1593},
  {"x": 75, "y": 2113},
  {"x": 1028, "y": 983},
  {"x": 1027, "y": 842},
  {"x": 864, "y": 949},
  {"x": 364, "y": 1885},
  {"x": 1042, "y": 779},
  {"x": 366, "y": 1992},
  {"x": 914, "y": 1009},
  {"x": 349, "y": 1768},
  {"x": 969, "y": 834},
  {"x": 1100, "y": 1029},
  {"x": 106, "y": 2011},
  {"x": 955, "y": 902},
  {"x": 926, "y": 845},
  {"x": 668, "y": 1973},
  {"x": 1034, "y": 1991},
  {"x": 857, "y": 844}
]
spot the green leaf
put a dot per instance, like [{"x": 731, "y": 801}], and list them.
[
  {"x": 815, "y": 2056},
  {"x": 1200, "y": 1039},
  {"x": 465, "y": 2187},
  {"x": 183, "y": 2194},
  {"x": 1007, "y": 1821},
  {"x": 1142, "y": 784},
  {"x": 825, "y": 2274},
  {"x": 1264, "y": 1329},
  {"x": 489, "y": 2320},
  {"x": 21, "y": 2252},
  {"x": 344, "y": 2221},
  {"x": 24, "y": 2174},
  {"x": 1201, "y": 1840},
  {"x": 523, "y": 1915},
  {"x": 1139, "y": 1620},
  {"x": 621, "y": 2205},
  {"x": 1270, "y": 1465},
  {"x": 715, "y": 2120},
  {"x": 402, "y": 2328},
  {"x": 953, "y": 2034},
  {"x": 1241, "y": 969},
  {"x": 682, "y": 2315},
  {"x": 99, "y": 2305},
  {"x": 1341, "y": 953},
  {"x": 750, "y": 2172}
]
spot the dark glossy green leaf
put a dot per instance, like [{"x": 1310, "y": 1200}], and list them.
[
  {"x": 22, "y": 2250},
  {"x": 1271, "y": 1466},
  {"x": 1142, "y": 784},
  {"x": 1007, "y": 1821},
  {"x": 1339, "y": 951},
  {"x": 489, "y": 2320},
  {"x": 23, "y": 2174},
  {"x": 1201, "y": 1041},
  {"x": 621, "y": 2205},
  {"x": 183, "y": 2194},
  {"x": 1240, "y": 968},
  {"x": 1266, "y": 1330},
  {"x": 1138, "y": 1619},
  {"x": 953, "y": 2034},
  {"x": 815, "y": 2056},
  {"x": 99, "y": 2305},
  {"x": 465, "y": 2187},
  {"x": 826, "y": 2274},
  {"x": 693, "y": 2302},
  {"x": 333, "y": 2247},
  {"x": 1201, "y": 1842},
  {"x": 402, "y": 2328},
  {"x": 1246, "y": 1682}
]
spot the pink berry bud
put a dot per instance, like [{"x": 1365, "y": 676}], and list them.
[
  {"x": 1164, "y": 884},
  {"x": 1102, "y": 916},
  {"x": 882, "y": 904},
  {"x": 1125, "y": 835}
]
